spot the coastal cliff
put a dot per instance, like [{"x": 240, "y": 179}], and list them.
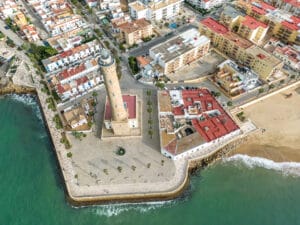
[{"x": 11, "y": 88}]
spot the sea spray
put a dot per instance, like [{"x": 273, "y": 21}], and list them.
[
  {"x": 117, "y": 209},
  {"x": 287, "y": 168}
]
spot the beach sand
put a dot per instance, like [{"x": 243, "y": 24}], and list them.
[{"x": 280, "y": 117}]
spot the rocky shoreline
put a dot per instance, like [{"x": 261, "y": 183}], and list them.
[{"x": 11, "y": 88}]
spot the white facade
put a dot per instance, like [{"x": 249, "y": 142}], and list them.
[
  {"x": 157, "y": 10},
  {"x": 204, "y": 149},
  {"x": 132, "y": 123},
  {"x": 58, "y": 61},
  {"x": 206, "y": 4},
  {"x": 79, "y": 123},
  {"x": 109, "y": 4},
  {"x": 92, "y": 3}
]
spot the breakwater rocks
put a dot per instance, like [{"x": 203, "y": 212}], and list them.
[{"x": 195, "y": 165}]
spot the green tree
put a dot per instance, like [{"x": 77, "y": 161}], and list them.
[
  {"x": 95, "y": 94},
  {"x": 261, "y": 90},
  {"x": 160, "y": 85},
  {"x": 150, "y": 132},
  {"x": 229, "y": 103}
]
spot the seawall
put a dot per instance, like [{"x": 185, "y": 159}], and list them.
[{"x": 78, "y": 197}]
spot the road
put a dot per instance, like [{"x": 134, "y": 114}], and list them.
[
  {"x": 144, "y": 48},
  {"x": 9, "y": 33}
]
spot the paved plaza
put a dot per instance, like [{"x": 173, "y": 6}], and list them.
[{"x": 95, "y": 161}]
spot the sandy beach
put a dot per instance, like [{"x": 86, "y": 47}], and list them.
[{"x": 279, "y": 119}]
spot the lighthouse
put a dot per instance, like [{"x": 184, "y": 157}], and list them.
[{"x": 108, "y": 69}]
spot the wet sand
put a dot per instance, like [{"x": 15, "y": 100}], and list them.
[{"x": 279, "y": 120}]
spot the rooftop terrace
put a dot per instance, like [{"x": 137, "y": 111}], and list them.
[{"x": 179, "y": 45}]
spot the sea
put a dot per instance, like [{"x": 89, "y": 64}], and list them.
[{"x": 238, "y": 190}]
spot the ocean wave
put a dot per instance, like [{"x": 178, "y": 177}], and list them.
[
  {"x": 117, "y": 209},
  {"x": 28, "y": 100},
  {"x": 287, "y": 168}
]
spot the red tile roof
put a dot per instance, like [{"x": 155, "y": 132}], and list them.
[
  {"x": 252, "y": 23},
  {"x": 71, "y": 72},
  {"x": 263, "y": 9},
  {"x": 214, "y": 25},
  {"x": 292, "y": 24},
  {"x": 211, "y": 127},
  {"x": 130, "y": 105},
  {"x": 295, "y": 3}
]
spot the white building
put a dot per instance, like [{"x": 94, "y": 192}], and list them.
[
  {"x": 192, "y": 121},
  {"x": 8, "y": 8},
  {"x": 109, "y": 4},
  {"x": 155, "y": 10},
  {"x": 206, "y": 4},
  {"x": 92, "y": 3},
  {"x": 74, "y": 55},
  {"x": 180, "y": 50},
  {"x": 75, "y": 117}
]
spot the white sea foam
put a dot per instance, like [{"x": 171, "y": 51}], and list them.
[
  {"x": 29, "y": 100},
  {"x": 116, "y": 209},
  {"x": 287, "y": 168}
]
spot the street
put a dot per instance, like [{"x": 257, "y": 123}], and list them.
[
  {"x": 9, "y": 33},
  {"x": 144, "y": 48}
]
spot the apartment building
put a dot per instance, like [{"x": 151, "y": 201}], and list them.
[
  {"x": 133, "y": 32},
  {"x": 180, "y": 50},
  {"x": 282, "y": 25},
  {"x": 109, "y": 4},
  {"x": 240, "y": 49},
  {"x": 234, "y": 79},
  {"x": 231, "y": 17},
  {"x": 252, "y": 29},
  {"x": 206, "y": 4},
  {"x": 292, "y": 6},
  {"x": 289, "y": 55},
  {"x": 155, "y": 10},
  {"x": 246, "y": 26}
]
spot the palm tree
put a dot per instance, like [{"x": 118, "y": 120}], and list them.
[{"x": 95, "y": 94}]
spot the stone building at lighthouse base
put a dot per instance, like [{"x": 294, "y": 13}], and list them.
[{"x": 129, "y": 127}]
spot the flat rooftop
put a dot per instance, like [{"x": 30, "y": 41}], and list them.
[
  {"x": 263, "y": 55},
  {"x": 179, "y": 45}
]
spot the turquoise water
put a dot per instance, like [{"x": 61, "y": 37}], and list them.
[{"x": 31, "y": 192}]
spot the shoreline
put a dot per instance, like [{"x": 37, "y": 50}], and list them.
[
  {"x": 92, "y": 195},
  {"x": 278, "y": 118},
  {"x": 190, "y": 165}
]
